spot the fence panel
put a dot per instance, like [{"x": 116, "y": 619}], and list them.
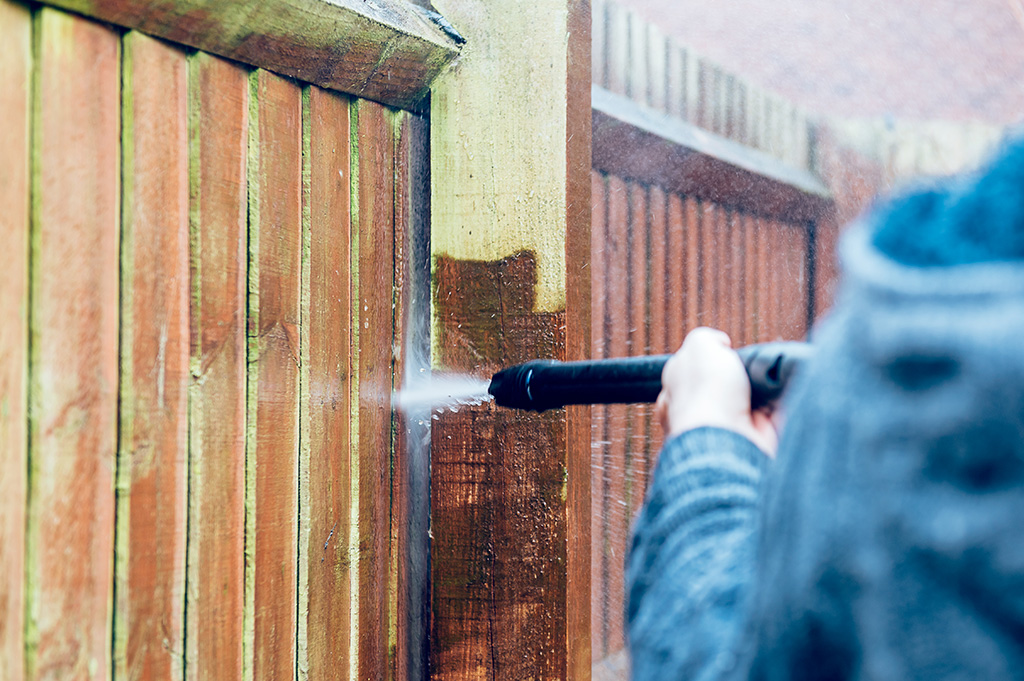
[{"x": 207, "y": 346}]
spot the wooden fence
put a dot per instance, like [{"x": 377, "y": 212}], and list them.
[
  {"x": 705, "y": 212},
  {"x": 204, "y": 310},
  {"x": 223, "y": 252}
]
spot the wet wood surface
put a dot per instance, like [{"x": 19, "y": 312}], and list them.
[
  {"x": 74, "y": 361},
  {"x": 275, "y": 252},
  {"x": 219, "y": 129},
  {"x": 15, "y": 89},
  {"x": 153, "y": 463}
]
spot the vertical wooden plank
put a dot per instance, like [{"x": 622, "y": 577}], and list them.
[
  {"x": 325, "y": 635},
  {"x": 676, "y": 293},
  {"x": 723, "y": 271},
  {"x": 657, "y": 57},
  {"x": 410, "y": 549},
  {"x": 275, "y": 263},
  {"x": 693, "y": 290},
  {"x": 637, "y": 83},
  {"x": 575, "y": 639},
  {"x": 599, "y": 56},
  {"x": 764, "y": 271},
  {"x": 617, "y": 47},
  {"x": 74, "y": 347},
  {"x": 710, "y": 248},
  {"x": 218, "y": 134},
  {"x": 615, "y": 468},
  {"x": 152, "y": 459},
  {"x": 15, "y": 88},
  {"x": 599, "y": 423},
  {"x": 660, "y": 285},
  {"x": 639, "y": 344},
  {"x": 737, "y": 277},
  {"x": 750, "y": 275},
  {"x": 373, "y": 259},
  {"x": 675, "y": 80}
]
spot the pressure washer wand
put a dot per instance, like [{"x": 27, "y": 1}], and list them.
[{"x": 540, "y": 384}]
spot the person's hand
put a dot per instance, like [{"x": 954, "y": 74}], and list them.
[{"x": 705, "y": 384}]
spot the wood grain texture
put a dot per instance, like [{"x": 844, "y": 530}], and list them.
[
  {"x": 374, "y": 259},
  {"x": 275, "y": 252},
  {"x": 506, "y": 221},
  {"x": 325, "y": 638},
  {"x": 15, "y": 88},
  {"x": 660, "y": 286},
  {"x": 677, "y": 295},
  {"x": 616, "y": 518},
  {"x": 74, "y": 348},
  {"x": 578, "y": 323},
  {"x": 389, "y": 52},
  {"x": 152, "y": 466},
  {"x": 693, "y": 264},
  {"x": 654, "y": 148},
  {"x": 218, "y": 134},
  {"x": 599, "y": 424},
  {"x": 639, "y": 320}
]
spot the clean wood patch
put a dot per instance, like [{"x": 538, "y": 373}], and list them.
[{"x": 74, "y": 341}]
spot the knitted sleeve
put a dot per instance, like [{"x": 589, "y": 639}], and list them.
[{"x": 690, "y": 564}]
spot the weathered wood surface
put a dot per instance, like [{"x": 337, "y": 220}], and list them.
[
  {"x": 15, "y": 88},
  {"x": 155, "y": 293},
  {"x": 599, "y": 412},
  {"x": 74, "y": 340},
  {"x": 653, "y": 148},
  {"x": 387, "y": 51},
  {"x": 275, "y": 256},
  {"x": 374, "y": 253},
  {"x": 326, "y": 582},
  {"x": 218, "y": 133},
  {"x": 510, "y": 586}
]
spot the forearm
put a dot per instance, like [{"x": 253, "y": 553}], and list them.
[{"x": 691, "y": 561}]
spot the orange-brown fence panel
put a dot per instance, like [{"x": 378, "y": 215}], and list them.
[
  {"x": 200, "y": 474},
  {"x": 663, "y": 263}
]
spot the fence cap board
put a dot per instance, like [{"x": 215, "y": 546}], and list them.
[
  {"x": 388, "y": 51},
  {"x": 649, "y": 146}
]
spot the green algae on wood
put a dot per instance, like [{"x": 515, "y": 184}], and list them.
[
  {"x": 386, "y": 51},
  {"x": 218, "y": 134}
]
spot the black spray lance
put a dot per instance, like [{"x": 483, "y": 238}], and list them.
[{"x": 541, "y": 384}]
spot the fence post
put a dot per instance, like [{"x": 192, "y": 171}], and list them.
[{"x": 510, "y": 157}]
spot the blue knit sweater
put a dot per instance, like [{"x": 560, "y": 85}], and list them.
[{"x": 887, "y": 539}]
